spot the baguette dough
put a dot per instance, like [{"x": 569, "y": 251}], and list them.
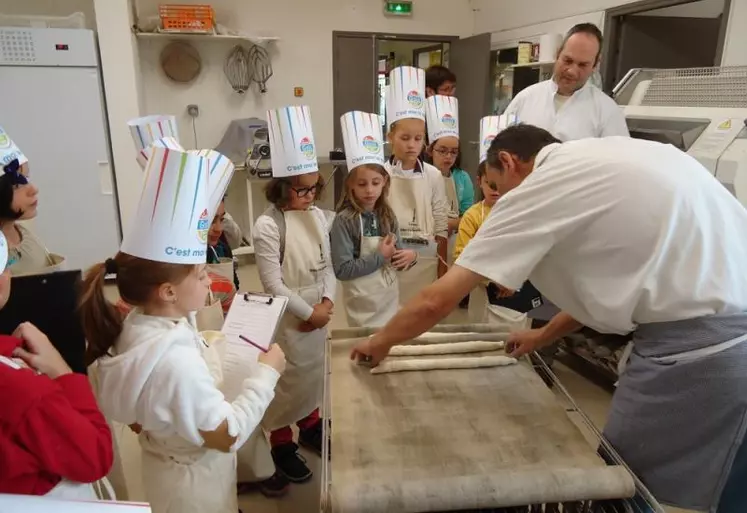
[
  {"x": 443, "y": 363},
  {"x": 442, "y": 338},
  {"x": 455, "y": 348}
]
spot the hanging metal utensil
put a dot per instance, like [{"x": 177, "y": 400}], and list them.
[
  {"x": 260, "y": 61},
  {"x": 238, "y": 69}
]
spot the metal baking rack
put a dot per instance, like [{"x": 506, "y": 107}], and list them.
[{"x": 643, "y": 502}]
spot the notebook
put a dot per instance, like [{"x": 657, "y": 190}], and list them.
[
  {"x": 50, "y": 302},
  {"x": 250, "y": 327}
]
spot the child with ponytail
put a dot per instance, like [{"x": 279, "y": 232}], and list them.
[{"x": 156, "y": 373}]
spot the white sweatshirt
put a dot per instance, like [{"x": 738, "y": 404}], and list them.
[{"x": 159, "y": 379}]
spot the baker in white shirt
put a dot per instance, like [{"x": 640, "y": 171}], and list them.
[
  {"x": 625, "y": 236},
  {"x": 568, "y": 105}
]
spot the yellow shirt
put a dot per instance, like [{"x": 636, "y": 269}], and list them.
[{"x": 468, "y": 226}]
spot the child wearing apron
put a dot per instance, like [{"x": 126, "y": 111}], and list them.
[
  {"x": 26, "y": 253},
  {"x": 54, "y": 441},
  {"x": 366, "y": 246},
  {"x": 416, "y": 193},
  {"x": 480, "y": 310},
  {"x": 291, "y": 243},
  {"x": 155, "y": 372},
  {"x": 442, "y": 116}
]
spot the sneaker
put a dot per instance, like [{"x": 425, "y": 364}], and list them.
[
  {"x": 311, "y": 438},
  {"x": 290, "y": 464},
  {"x": 274, "y": 487}
]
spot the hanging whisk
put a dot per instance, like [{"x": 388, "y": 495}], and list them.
[
  {"x": 260, "y": 62},
  {"x": 238, "y": 69}
]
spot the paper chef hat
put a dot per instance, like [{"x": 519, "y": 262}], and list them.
[
  {"x": 148, "y": 130},
  {"x": 9, "y": 151},
  {"x": 3, "y": 253},
  {"x": 490, "y": 126},
  {"x": 172, "y": 219},
  {"x": 292, "y": 147},
  {"x": 442, "y": 117},
  {"x": 406, "y": 95},
  {"x": 220, "y": 171},
  {"x": 363, "y": 140}
]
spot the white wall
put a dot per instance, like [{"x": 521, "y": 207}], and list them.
[
  {"x": 701, "y": 9},
  {"x": 50, "y": 8},
  {"x": 303, "y": 58},
  {"x": 511, "y": 20}
]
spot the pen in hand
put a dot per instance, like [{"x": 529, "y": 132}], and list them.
[{"x": 242, "y": 337}]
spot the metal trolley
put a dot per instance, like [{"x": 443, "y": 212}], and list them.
[{"x": 643, "y": 502}]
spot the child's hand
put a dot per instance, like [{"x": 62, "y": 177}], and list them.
[
  {"x": 386, "y": 247},
  {"x": 504, "y": 292},
  {"x": 321, "y": 316},
  {"x": 38, "y": 352},
  {"x": 403, "y": 258},
  {"x": 274, "y": 357},
  {"x": 453, "y": 225}
]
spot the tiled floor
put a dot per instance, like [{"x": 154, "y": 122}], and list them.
[{"x": 593, "y": 400}]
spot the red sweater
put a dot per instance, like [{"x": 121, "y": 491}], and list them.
[{"x": 50, "y": 429}]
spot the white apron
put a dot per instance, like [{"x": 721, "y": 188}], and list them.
[
  {"x": 371, "y": 300},
  {"x": 254, "y": 460},
  {"x": 411, "y": 201},
  {"x": 481, "y": 311},
  {"x": 68, "y": 490},
  {"x": 453, "y": 198},
  {"x": 179, "y": 477},
  {"x": 299, "y": 390}
]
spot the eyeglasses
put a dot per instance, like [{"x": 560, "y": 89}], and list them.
[
  {"x": 302, "y": 192},
  {"x": 447, "y": 152}
]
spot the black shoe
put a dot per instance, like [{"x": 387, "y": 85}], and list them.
[
  {"x": 290, "y": 464},
  {"x": 311, "y": 438},
  {"x": 276, "y": 486}
]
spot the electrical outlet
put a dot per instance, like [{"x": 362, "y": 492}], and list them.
[{"x": 193, "y": 110}]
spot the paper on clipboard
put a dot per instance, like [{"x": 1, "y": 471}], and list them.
[{"x": 256, "y": 317}]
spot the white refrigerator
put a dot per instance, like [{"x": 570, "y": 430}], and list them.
[{"x": 53, "y": 108}]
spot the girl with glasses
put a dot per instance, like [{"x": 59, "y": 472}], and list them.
[
  {"x": 442, "y": 114},
  {"x": 291, "y": 242}
]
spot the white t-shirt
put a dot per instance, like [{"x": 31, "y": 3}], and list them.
[
  {"x": 618, "y": 232},
  {"x": 587, "y": 113}
]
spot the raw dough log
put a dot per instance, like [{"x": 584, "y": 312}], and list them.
[
  {"x": 443, "y": 363},
  {"x": 442, "y": 338},
  {"x": 345, "y": 333},
  {"x": 479, "y": 346}
]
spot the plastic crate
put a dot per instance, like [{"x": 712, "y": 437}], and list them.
[{"x": 186, "y": 18}]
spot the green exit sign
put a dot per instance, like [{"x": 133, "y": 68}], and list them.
[{"x": 398, "y": 8}]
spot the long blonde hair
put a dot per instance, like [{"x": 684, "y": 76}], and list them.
[{"x": 349, "y": 205}]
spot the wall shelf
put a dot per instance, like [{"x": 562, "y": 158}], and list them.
[
  {"x": 204, "y": 37},
  {"x": 534, "y": 65}
]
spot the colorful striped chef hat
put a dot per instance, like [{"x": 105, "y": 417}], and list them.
[
  {"x": 9, "y": 151},
  {"x": 442, "y": 117},
  {"x": 405, "y": 97},
  {"x": 490, "y": 126},
  {"x": 172, "y": 218},
  {"x": 363, "y": 140},
  {"x": 153, "y": 130},
  {"x": 220, "y": 172},
  {"x": 292, "y": 146}
]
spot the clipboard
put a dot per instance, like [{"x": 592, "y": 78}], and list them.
[{"x": 250, "y": 328}]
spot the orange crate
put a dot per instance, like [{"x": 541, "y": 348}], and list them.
[{"x": 186, "y": 18}]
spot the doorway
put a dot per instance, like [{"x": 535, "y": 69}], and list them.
[
  {"x": 361, "y": 62},
  {"x": 663, "y": 34}
]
